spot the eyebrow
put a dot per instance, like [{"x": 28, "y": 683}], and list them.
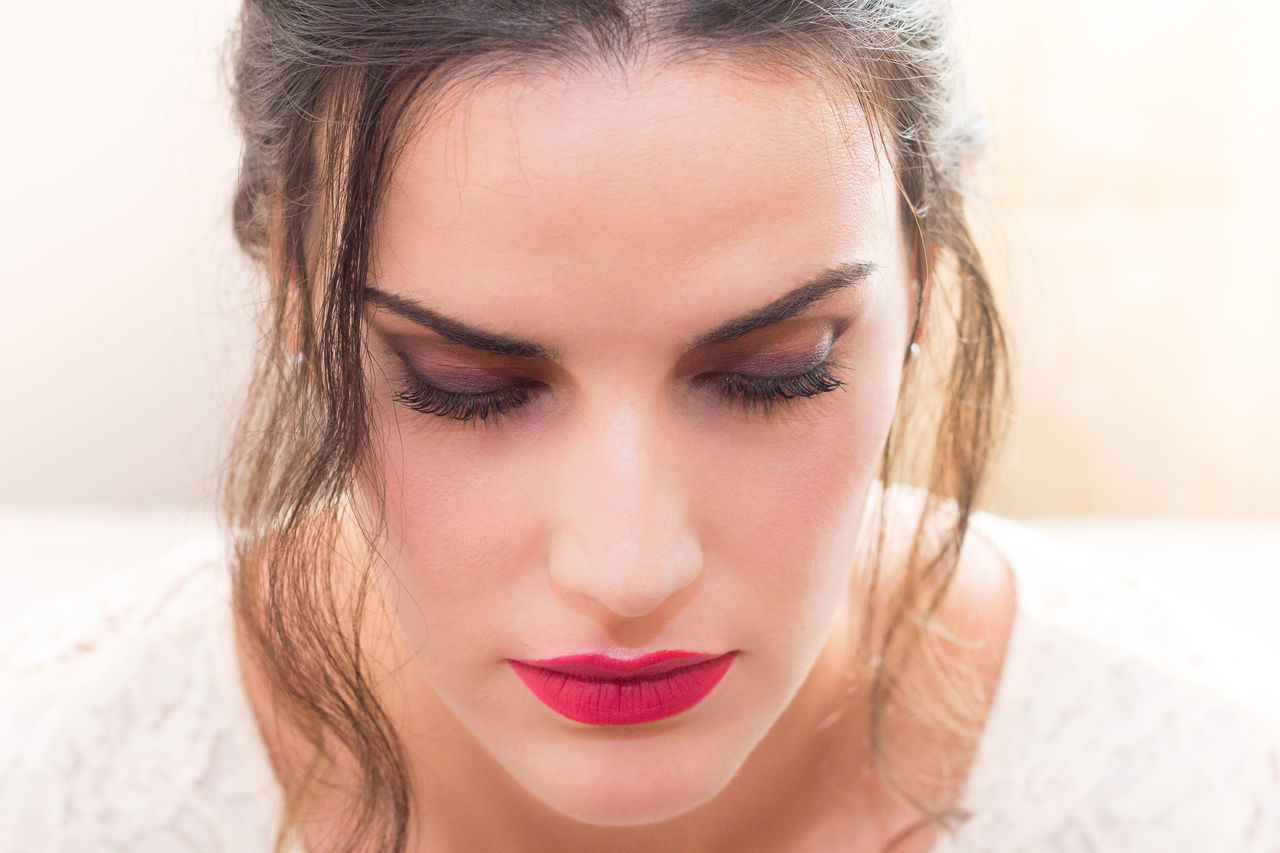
[{"x": 790, "y": 304}]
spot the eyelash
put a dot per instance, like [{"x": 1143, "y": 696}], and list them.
[{"x": 752, "y": 391}]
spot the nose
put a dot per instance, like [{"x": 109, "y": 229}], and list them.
[{"x": 623, "y": 536}]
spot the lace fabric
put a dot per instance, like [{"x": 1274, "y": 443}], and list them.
[
  {"x": 124, "y": 725},
  {"x": 1117, "y": 725}
]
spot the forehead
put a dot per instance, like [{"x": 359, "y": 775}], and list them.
[{"x": 584, "y": 192}]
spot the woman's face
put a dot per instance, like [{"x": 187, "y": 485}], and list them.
[{"x": 621, "y": 274}]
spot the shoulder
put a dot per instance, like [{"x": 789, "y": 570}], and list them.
[
  {"x": 976, "y": 615},
  {"x": 118, "y": 722},
  {"x": 1121, "y": 720}
]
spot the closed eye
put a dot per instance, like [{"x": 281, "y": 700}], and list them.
[{"x": 750, "y": 391}]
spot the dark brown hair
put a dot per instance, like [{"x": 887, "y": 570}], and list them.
[{"x": 323, "y": 89}]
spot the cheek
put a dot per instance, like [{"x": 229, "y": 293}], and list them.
[
  {"x": 456, "y": 526},
  {"x": 787, "y": 500}
]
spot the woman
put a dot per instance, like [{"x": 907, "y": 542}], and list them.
[{"x": 556, "y": 505}]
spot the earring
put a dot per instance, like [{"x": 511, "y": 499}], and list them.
[{"x": 914, "y": 350}]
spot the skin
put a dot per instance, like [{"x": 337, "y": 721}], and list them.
[{"x": 627, "y": 507}]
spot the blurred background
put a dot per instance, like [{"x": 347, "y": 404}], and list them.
[
  {"x": 1132, "y": 216},
  {"x": 1129, "y": 206}
]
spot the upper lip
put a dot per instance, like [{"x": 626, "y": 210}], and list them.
[{"x": 604, "y": 666}]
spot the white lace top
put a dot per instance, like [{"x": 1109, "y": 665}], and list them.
[{"x": 124, "y": 725}]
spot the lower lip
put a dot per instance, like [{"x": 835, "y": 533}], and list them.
[{"x": 623, "y": 701}]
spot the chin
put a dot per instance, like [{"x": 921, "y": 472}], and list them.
[
  {"x": 622, "y": 805},
  {"x": 638, "y": 787}
]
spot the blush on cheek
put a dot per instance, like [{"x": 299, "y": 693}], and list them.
[
  {"x": 453, "y": 517},
  {"x": 789, "y": 497}
]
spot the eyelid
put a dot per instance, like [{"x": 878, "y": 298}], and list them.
[
  {"x": 453, "y": 356},
  {"x": 456, "y": 383},
  {"x": 781, "y": 353},
  {"x": 786, "y": 360}
]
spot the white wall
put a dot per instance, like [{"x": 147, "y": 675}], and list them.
[
  {"x": 122, "y": 342},
  {"x": 1134, "y": 198}
]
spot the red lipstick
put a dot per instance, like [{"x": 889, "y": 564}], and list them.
[{"x": 606, "y": 691}]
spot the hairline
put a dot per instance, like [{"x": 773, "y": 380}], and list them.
[{"x": 424, "y": 97}]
